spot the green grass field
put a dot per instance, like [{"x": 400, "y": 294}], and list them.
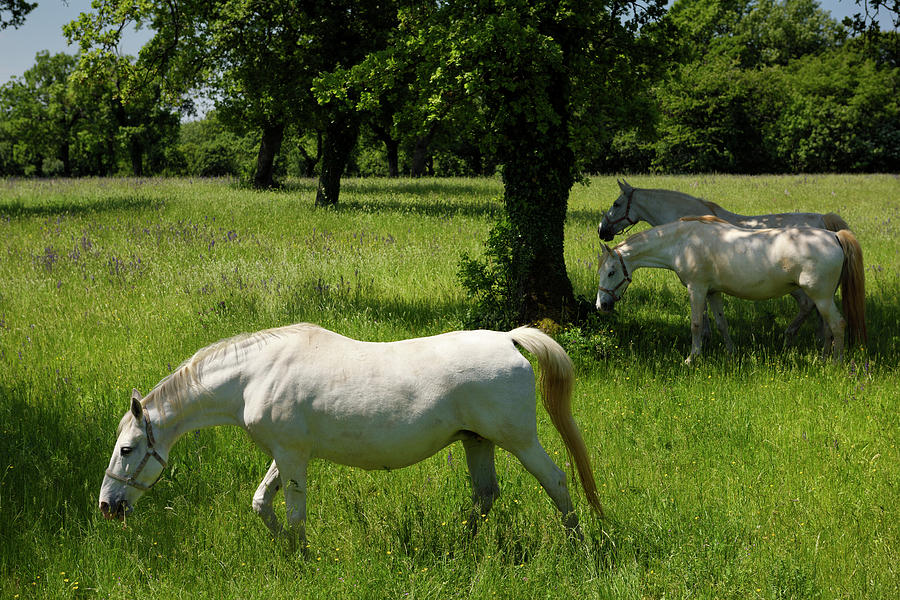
[{"x": 766, "y": 474}]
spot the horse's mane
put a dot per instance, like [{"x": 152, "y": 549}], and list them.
[
  {"x": 169, "y": 392},
  {"x": 640, "y": 236},
  {"x": 704, "y": 219},
  {"x": 712, "y": 206}
]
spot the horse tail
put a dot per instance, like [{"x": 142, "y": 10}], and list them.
[
  {"x": 853, "y": 286},
  {"x": 834, "y": 222},
  {"x": 557, "y": 381}
]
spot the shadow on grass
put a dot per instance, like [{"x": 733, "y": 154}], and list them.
[
  {"x": 424, "y": 187},
  {"x": 51, "y": 473},
  {"x": 18, "y": 210},
  {"x": 345, "y": 298},
  {"x": 650, "y": 323}
]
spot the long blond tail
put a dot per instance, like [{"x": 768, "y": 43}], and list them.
[
  {"x": 557, "y": 381},
  {"x": 853, "y": 287},
  {"x": 834, "y": 222}
]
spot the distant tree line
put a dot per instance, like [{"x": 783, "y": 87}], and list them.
[{"x": 744, "y": 86}]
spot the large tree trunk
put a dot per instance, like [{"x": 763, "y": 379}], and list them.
[
  {"x": 392, "y": 147},
  {"x": 65, "y": 155},
  {"x": 340, "y": 139},
  {"x": 537, "y": 176},
  {"x": 269, "y": 146}
]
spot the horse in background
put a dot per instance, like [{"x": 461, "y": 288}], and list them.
[
  {"x": 658, "y": 207},
  {"x": 712, "y": 257}
]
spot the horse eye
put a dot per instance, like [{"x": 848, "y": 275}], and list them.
[
  {"x": 611, "y": 273},
  {"x": 125, "y": 450}
]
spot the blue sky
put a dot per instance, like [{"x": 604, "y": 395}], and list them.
[{"x": 43, "y": 31}]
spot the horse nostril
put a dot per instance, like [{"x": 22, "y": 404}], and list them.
[{"x": 116, "y": 510}]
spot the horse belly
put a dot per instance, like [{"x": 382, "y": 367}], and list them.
[
  {"x": 755, "y": 283},
  {"x": 396, "y": 429}
]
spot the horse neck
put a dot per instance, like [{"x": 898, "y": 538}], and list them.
[
  {"x": 659, "y": 207},
  {"x": 651, "y": 249},
  {"x": 197, "y": 396}
]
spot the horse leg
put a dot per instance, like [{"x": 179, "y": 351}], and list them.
[
  {"x": 836, "y": 324},
  {"x": 265, "y": 494},
  {"x": 698, "y": 310},
  {"x": 715, "y": 303},
  {"x": 480, "y": 460},
  {"x": 707, "y": 330},
  {"x": 805, "y": 306},
  {"x": 552, "y": 479},
  {"x": 293, "y": 476}
]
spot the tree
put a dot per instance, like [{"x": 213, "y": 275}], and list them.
[
  {"x": 841, "y": 114},
  {"x": 17, "y": 9},
  {"x": 545, "y": 78},
  {"x": 257, "y": 59},
  {"x": 43, "y": 117},
  {"x": 56, "y": 123}
]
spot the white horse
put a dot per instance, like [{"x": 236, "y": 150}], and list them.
[
  {"x": 302, "y": 392},
  {"x": 658, "y": 207},
  {"x": 712, "y": 257}
]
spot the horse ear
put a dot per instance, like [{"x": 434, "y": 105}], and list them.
[
  {"x": 136, "y": 409},
  {"x": 606, "y": 249},
  {"x": 624, "y": 186}
]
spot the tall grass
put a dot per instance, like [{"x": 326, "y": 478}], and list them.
[{"x": 765, "y": 474}]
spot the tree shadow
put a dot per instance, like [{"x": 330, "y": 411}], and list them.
[
  {"x": 430, "y": 197},
  {"x": 50, "y": 476},
  {"x": 18, "y": 210},
  {"x": 314, "y": 297},
  {"x": 647, "y": 334},
  {"x": 585, "y": 218}
]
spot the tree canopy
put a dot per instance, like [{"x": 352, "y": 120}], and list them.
[{"x": 17, "y": 9}]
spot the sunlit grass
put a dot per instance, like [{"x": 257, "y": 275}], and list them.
[{"x": 765, "y": 474}]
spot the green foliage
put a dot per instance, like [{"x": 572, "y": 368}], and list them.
[
  {"x": 211, "y": 150},
  {"x": 828, "y": 113},
  {"x": 55, "y": 122},
  {"x": 770, "y": 86},
  {"x": 842, "y": 114},
  {"x": 714, "y": 117},
  {"x": 489, "y": 281},
  {"x": 17, "y": 9}
]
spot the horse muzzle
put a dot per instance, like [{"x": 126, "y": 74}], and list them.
[
  {"x": 117, "y": 510},
  {"x": 606, "y": 232},
  {"x": 605, "y": 304}
]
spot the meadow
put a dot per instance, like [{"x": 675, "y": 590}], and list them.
[{"x": 764, "y": 474}]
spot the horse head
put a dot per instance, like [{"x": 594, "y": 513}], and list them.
[
  {"x": 614, "y": 279},
  {"x": 618, "y": 217},
  {"x": 131, "y": 471}
]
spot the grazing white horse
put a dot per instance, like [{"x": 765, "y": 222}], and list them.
[
  {"x": 658, "y": 207},
  {"x": 712, "y": 257},
  {"x": 302, "y": 392}
]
